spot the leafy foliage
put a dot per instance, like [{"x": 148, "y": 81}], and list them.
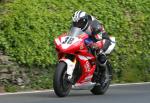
[{"x": 28, "y": 28}]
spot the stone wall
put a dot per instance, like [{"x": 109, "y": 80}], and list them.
[{"x": 11, "y": 73}]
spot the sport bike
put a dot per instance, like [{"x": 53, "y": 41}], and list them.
[{"x": 78, "y": 66}]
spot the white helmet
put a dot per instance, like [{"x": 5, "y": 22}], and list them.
[{"x": 81, "y": 20}]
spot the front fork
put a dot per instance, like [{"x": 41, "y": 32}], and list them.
[{"x": 70, "y": 66}]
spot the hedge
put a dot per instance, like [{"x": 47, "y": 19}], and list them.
[{"x": 28, "y": 28}]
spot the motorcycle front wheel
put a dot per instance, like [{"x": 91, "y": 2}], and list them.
[
  {"x": 104, "y": 81},
  {"x": 60, "y": 84}
]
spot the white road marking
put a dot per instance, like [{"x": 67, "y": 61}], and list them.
[
  {"x": 42, "y": 91},
  {"x": 27, "y": 92},
  {"x": 124, "y": 84}
]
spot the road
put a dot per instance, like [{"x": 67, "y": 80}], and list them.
[{"x": 137, "y": 93}]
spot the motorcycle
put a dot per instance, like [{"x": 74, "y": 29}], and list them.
[{"x": 78, "y": 67}]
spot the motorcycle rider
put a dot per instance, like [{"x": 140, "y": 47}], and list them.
[{"x": 96, "y": 32}]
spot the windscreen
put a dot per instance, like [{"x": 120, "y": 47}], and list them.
[{"x": 74, "y": 31}]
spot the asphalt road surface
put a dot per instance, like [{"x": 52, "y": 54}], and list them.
[{"x": 137, "y": 93}]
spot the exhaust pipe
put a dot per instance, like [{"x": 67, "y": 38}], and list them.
[{"x": 83, "y": 86}]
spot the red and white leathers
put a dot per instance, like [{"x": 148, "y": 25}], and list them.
[
  {"x": 96, "y": 33},
  {"x": 91, "y": 26},
  {"x": 96, "y": 40}
]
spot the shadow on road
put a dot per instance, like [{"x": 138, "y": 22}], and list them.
[{"x": 79, "y": 93}]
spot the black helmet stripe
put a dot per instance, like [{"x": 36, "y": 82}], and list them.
[
  {"x": 79, "y": 13},
  {"x": 76, "y": 14}
]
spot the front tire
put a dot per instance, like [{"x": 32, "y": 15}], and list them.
[
  {"x": 105, "y": 79},
  {"x": 60, "y": 84}
]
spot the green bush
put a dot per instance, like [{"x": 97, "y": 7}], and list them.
[{"x": 28, "y": 28}]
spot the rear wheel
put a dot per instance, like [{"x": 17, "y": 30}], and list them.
[
  {"x": 60, "y": 84},
  {"x": 104, "y": 80}
]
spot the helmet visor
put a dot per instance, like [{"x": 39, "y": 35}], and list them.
[{"x": 80, "y": 23}]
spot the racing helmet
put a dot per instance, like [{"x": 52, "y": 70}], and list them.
[{"x": 81, "y": 20}]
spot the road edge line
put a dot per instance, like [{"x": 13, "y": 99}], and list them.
[{"x": 125, "y": 84}]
